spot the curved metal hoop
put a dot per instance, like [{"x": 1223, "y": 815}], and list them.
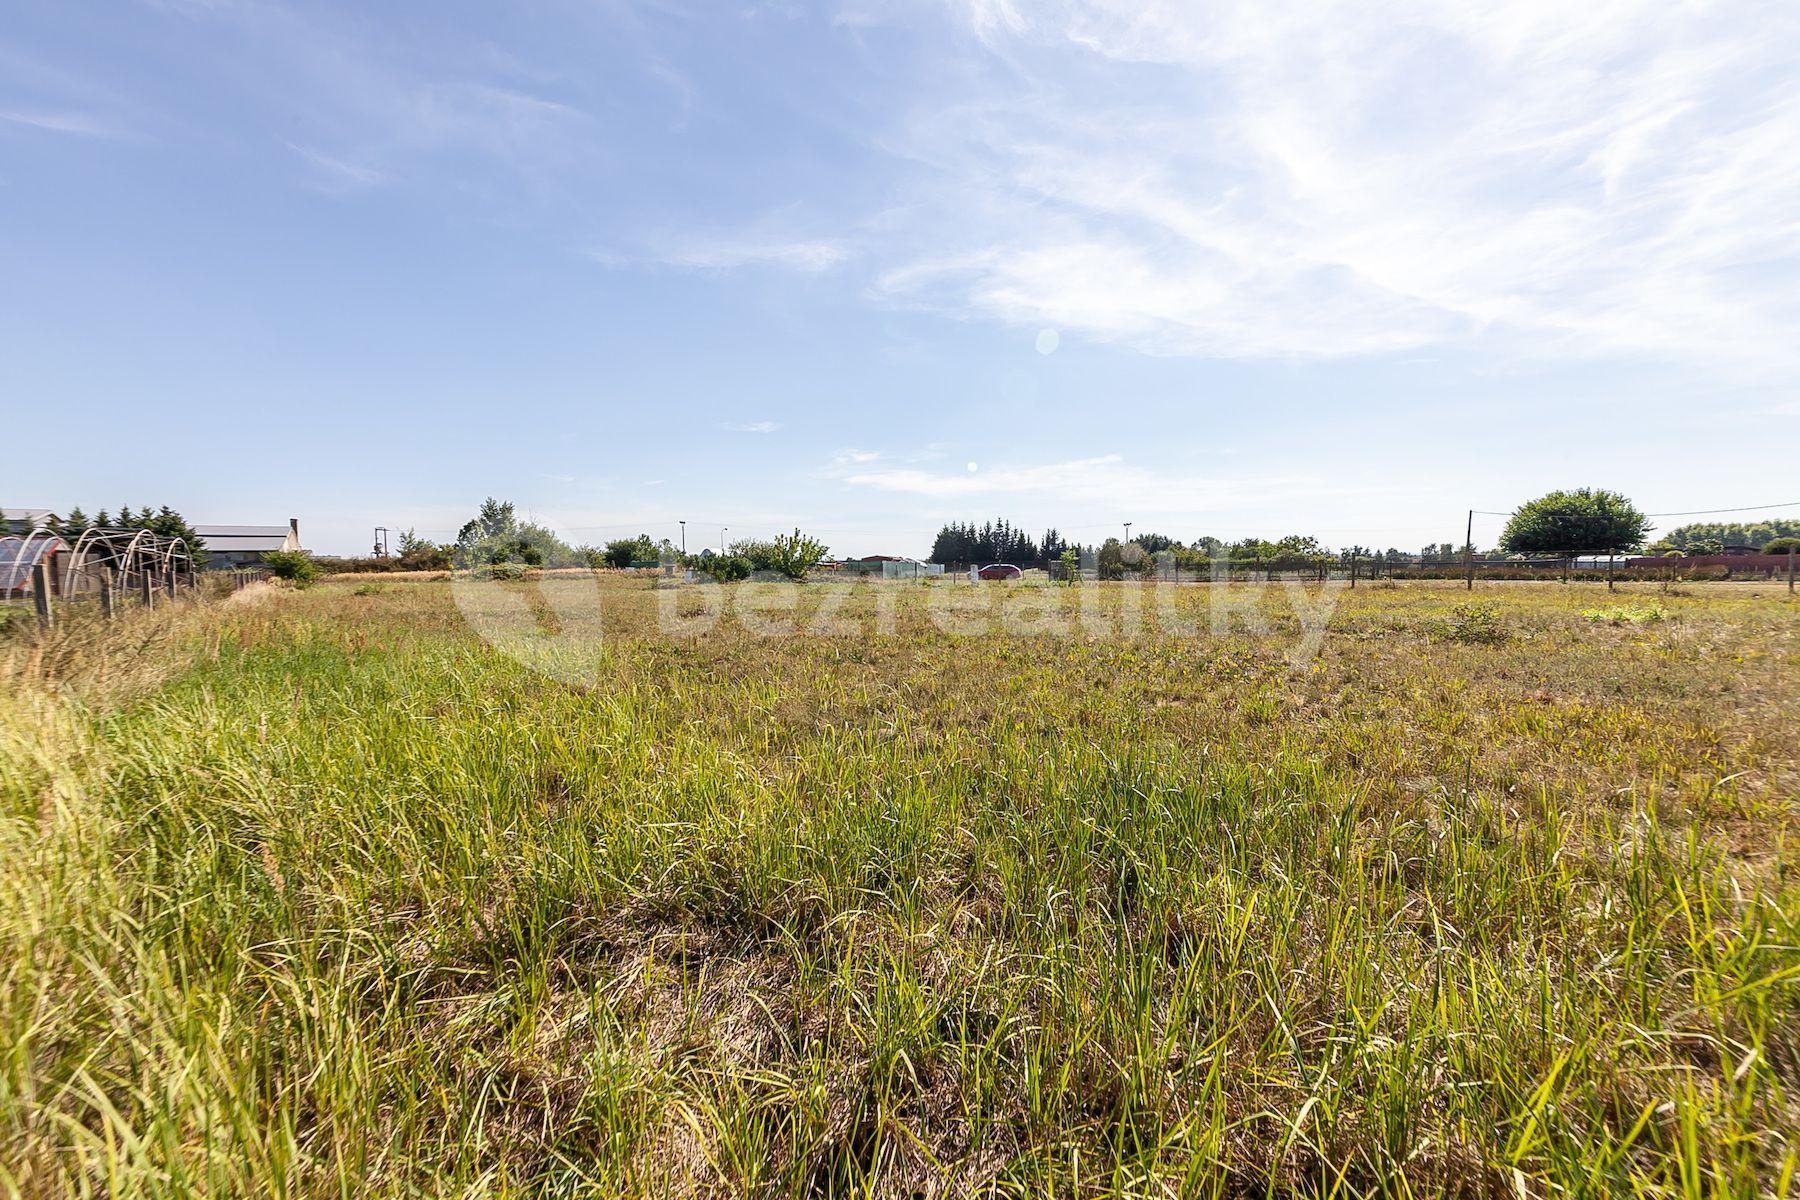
[{"x": 135, "y": 557}]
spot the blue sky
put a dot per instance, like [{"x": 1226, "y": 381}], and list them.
[{"x": 865, "y": 267}]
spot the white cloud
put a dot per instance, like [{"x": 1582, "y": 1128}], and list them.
[
  {"x": 1252, "y": 180},
  {"x": 59, "y": 122},
  {"x": 334, "y": 176},
  {"x": 750, "y": 426},
  {"x": 1106, "y": 480},
  {"x": 402, "y": 106},
  {"x": 802, "y": 255}
]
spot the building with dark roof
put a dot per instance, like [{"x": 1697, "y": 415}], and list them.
[{"x": 245, "y": 545}]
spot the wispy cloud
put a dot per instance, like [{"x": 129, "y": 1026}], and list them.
[
  {"x": 804, "y": 255},
  {"x": 362, "y": 108},
  {"x": 750, "y": 426},
  {"x": 1106, "y": 480},
  {"x": 334, "y": 176},
  {"x": 78, "y": 124},
  {"x": 1241, "y": 180}
]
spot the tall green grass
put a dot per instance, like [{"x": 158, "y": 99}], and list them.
[{"x": 350, "y": 904}]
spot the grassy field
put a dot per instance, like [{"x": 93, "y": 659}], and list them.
[{"x": 319, "y": 894}]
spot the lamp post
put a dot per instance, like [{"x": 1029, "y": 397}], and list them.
[
  {"x": 1128, "y": 533},
  {"x": 723, "y": 529},
  {"x": 683, "y": 539}
]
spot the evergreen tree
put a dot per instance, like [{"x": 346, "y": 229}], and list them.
[
  {"x": 1151, "y": 543},
  {"x": 163, "y": 522}
]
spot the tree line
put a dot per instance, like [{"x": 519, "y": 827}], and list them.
[
  {"x": 163, "y": 522},
  {"x": 1712, "y": 537},
  {"x": 1001, "y": 541},
  {"x": 1562, "y": 524},
  {"x": 495, "y": 539},
  {"x": 995, "y": 541}
]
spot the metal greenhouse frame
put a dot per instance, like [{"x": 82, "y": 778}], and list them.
[{"x": 132, "y": 561}]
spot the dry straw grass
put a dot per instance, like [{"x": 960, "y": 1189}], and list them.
[{"x": 318, "y": 895}]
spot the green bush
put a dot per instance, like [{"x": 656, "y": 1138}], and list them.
[
  {"x": 790, "y": 554},
  {"x": 1476, "y": 624},
  {"x": 295, "y": 566},
  {"x": 1783, "y": 545},
  {"x": 1626, "y": 614},
  {"x": 622, "y": 552},
  {"x": 725, "y": 568}
]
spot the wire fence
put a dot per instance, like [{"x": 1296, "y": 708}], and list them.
[{"x": 1168, "y": 567}]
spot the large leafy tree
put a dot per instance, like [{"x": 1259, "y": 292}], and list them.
[
  {"x": 789, "y": 554},
  {"x": 1571, "y": 523},
  {"x": 496, "y": 535}
]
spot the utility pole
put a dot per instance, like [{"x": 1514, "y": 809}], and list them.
[
  {"x": 683, "y": 539},
  {"x": 1469, "y": 552},
  {"x": 1128, "y": 533},
  {"x": 723, "y": 530}
]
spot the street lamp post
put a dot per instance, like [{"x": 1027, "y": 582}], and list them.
[
  {"x": 683, "y": 539},
  {"x": 723, "y": 529},
  {"x": 1128, "y": 533}
]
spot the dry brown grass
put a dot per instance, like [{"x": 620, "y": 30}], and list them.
[{"x": 334, "y": 898}]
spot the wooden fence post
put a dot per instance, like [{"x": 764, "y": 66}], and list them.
[
  {"x": 147, "y": 589},
  {"x": 1790, "y": 569},
  {"x": 1469, "y": 552},
  {"x": 40, "y": 594},
  {"x": 106, "y": 592}
]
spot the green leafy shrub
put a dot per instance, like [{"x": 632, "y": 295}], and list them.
[
  {"x": 295, "y": 566},
  {"x": 1476, "y": 624},
  {"x": 1626, "y": 614},
  {"x": 790, "y": 554},
  {"x": 725, "y": 568},
  {"x": 622, "y": 552}
]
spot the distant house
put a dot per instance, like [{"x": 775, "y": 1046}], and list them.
[
  {"x": 245, "y": 545},
  {"x": 24, "y": 520}
]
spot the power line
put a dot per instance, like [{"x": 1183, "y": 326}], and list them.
[
  {"x": 1703, "y": 512},
  {"x": 1697, "y": 512}
]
